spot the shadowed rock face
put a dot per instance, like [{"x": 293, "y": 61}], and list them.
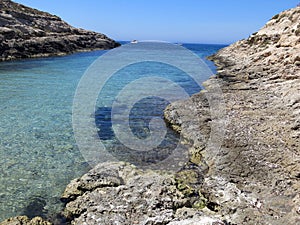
[{"x": 27, "y": 33}]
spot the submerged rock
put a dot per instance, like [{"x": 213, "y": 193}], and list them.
[{"x": 27, "y": 33}]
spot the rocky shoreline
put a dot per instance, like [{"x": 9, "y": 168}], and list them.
[
  {"x": 253, "y": 177},
  {"x": 30, "y": 33}
]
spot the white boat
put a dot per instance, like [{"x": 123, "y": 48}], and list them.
[{"x": 134, "y": 42}]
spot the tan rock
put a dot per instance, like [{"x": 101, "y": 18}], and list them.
[
  {"x": 254, "y": 177},
  {"x": 24, "y": 220}
]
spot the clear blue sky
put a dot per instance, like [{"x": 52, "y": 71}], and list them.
[{"x": 194, "y": 21}]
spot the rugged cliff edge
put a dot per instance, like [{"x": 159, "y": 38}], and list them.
[
  {"x": 254, "y": 177},
  {"x": 27, "y": 33}
]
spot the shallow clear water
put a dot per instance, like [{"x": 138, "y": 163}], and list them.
[{"x": 38, "y": 154}]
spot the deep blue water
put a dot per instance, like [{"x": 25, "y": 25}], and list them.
[{"x": 38, "y": 152}]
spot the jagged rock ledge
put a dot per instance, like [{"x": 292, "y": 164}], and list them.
[
  {"x": 30, "y": 33},
  {"x": 119, "y": 193},
  {"x": 254, "y": 177},
  {"x": 251, "y": 178}
]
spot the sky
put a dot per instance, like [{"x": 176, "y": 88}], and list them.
[{"x": 186, "y": 21}]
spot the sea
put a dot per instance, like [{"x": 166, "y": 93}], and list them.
[{"x": 39, "y": 155}]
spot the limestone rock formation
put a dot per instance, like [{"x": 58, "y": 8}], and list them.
[
  {"x": 119, "y": 193},
  {"x": 23, "y": 220},
  {"x": 27, "y": 33},
  {"x": 254, "y": 177}
]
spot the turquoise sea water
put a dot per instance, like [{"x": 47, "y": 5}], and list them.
[{"x": 38, "y": 153}]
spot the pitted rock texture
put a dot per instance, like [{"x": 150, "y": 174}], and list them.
[
  {"x": 23, "y": 220},
  {"x": 254, "y": 177},
  {"x": 119, "y": 193},
  {"x": 28, "y": 33},
  {"x": 245, "y": 164}
]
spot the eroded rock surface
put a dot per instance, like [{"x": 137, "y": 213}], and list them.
[
  {"x": 119, "y": 193},
  {"x": 27, "y": 33},
  {"x": 254, "y": 177},
  {"x": 24, "y": 220},
  {"x": 245, "y": 163}
]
